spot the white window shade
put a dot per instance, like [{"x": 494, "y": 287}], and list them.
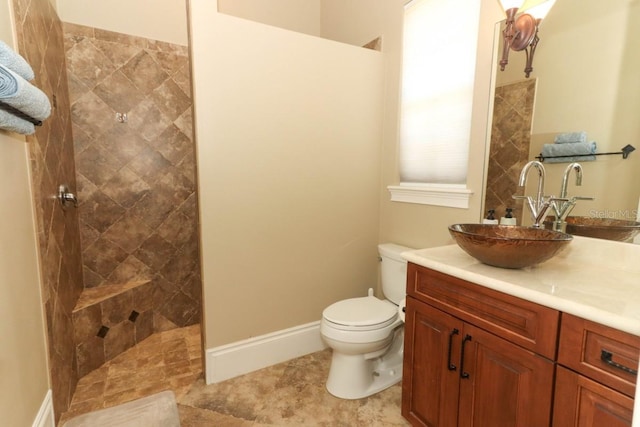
[{"x": 439, "y": 60}]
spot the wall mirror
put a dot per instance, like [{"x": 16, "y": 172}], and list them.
[{"x": 584, "y": 79}]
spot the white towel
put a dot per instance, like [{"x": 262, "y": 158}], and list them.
[
  {"x": 22, "y": 95},
  {"x": 15, "y": 62}
]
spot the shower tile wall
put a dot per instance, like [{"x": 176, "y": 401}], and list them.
[
  {"x": 510, "y": 141},
  {"x": 136, "y": 180},
  {"x": 40, "y": 41}
]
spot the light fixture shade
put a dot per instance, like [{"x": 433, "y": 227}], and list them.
[
  {"x": 540, "y": 11},
  {"x": 510, "y": 4}
]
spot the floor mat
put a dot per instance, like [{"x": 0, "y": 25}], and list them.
[{"x": 157, "y": 410}]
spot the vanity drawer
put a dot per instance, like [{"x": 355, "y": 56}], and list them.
[
  {"x": 527, "y": 324},
  {"x": 599, "y": 352}
]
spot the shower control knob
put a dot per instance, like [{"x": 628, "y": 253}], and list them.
[{"x": 66, "y": 198}]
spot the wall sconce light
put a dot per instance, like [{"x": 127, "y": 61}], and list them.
[{"x": 521, "y": 30}]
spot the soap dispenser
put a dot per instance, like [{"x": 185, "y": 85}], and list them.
[
  {"x": 508, "y": 218},
  {"x": 490, "y": 219}
]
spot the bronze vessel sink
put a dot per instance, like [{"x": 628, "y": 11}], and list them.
[
  {"x": 600, "y": 228},
  {"x": 508, "y": 246}
]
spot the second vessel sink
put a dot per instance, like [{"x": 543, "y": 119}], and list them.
[
  {"x": 600, "y": 228},
  {"x": 508, "y": 246}
]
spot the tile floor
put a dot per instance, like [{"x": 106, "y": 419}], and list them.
[{"x": 287, "y": 394}]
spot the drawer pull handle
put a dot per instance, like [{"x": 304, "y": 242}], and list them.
[
  {"x": 463, "y": 374},
  {"x": 450, "y": 365},
  {"x": 607, "y": 356}
]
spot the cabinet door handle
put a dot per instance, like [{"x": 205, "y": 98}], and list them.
[
  {"x": 607, "y": 357},
  {"x": 450, "y": 365},
  {"x": 463, "y": 374}
]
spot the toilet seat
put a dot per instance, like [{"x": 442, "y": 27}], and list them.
[{"x": 361, "y": 314}]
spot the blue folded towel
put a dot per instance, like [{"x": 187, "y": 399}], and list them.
[
  {"x": 22, "y": 95},
  {"x": 567, "y": 152},
  {"x": 15, "y": 62},
  {"x": 569, "y": 137}
]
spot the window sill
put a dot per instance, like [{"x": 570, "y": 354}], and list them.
[{"x": 453, "y": 196}]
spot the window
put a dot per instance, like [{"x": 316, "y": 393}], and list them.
[{"x": 438, "y": 71}]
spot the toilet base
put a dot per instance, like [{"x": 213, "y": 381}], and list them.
[{"x": 356, "y": 377}]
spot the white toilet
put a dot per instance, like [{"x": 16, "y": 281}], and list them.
[{"x": 367, "y": 333}]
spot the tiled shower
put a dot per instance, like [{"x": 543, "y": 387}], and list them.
[
  {"x": 125, "y": 263},
  {"x": 136, "y": 186},
  {"x": 510, "y": 141}
]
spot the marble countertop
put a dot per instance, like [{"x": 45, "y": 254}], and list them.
[{"x": 598, "y": 280}]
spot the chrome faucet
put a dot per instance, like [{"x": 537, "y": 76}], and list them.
[
  {"x": 563, "y": 205},
  {"x": 565, "y": 178},
  {"x": 540, "y": 206}
]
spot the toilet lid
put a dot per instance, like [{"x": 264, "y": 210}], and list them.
[{"x": 365, "y": 312}]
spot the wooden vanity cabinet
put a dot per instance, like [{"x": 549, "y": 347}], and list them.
[
  {"x": 582, "y": 402},
  {"x": 475, "y": 357},
  {"x": 596, "y": 379}
]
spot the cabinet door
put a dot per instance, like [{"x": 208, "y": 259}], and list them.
[
  {"x": 431, "y": 358},
  {"x": 581, "y": 402},
  {"x": 503, "y": 385}
]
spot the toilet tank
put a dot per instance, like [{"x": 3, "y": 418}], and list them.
[{"x": 393, "y": 271}]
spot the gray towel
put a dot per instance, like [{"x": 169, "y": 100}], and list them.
[
  {"x": 22, "y": 95},
  {"x": 569, "y": 137},
  {"x": 15, "y": 62},
  {"x": 157, "y": 410},
  {"x": 15, "y": 124},
  {"x": 566, "y": 152}
]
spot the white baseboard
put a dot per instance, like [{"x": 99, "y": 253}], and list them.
[
  {"x": 45, "y": 416},
  {"x": 249, "y": 355}
]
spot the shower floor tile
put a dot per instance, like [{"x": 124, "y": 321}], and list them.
[
  {"x": 170, "y": 360},
  {"x": 288, "y": 394}
]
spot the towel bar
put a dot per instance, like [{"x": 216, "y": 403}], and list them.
[
  {"x": 624, "y": 151},
  {"x": 8, "y": 108}
]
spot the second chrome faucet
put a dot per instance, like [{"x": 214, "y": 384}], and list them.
[{"x": 562, "y": 206}]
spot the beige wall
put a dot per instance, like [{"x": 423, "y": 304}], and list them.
[
  {"x": 295, "y": 15},
  {"x": 586, "y": 65},
  {"x": 23, "y": 354},
  {"x": 358, "y": 21},
  {"x": 164, "y": 20},
  {"x": 23, "y": 360},
  {"x": 288, "y": 160},
  {"x": 234, "y": 228}
]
